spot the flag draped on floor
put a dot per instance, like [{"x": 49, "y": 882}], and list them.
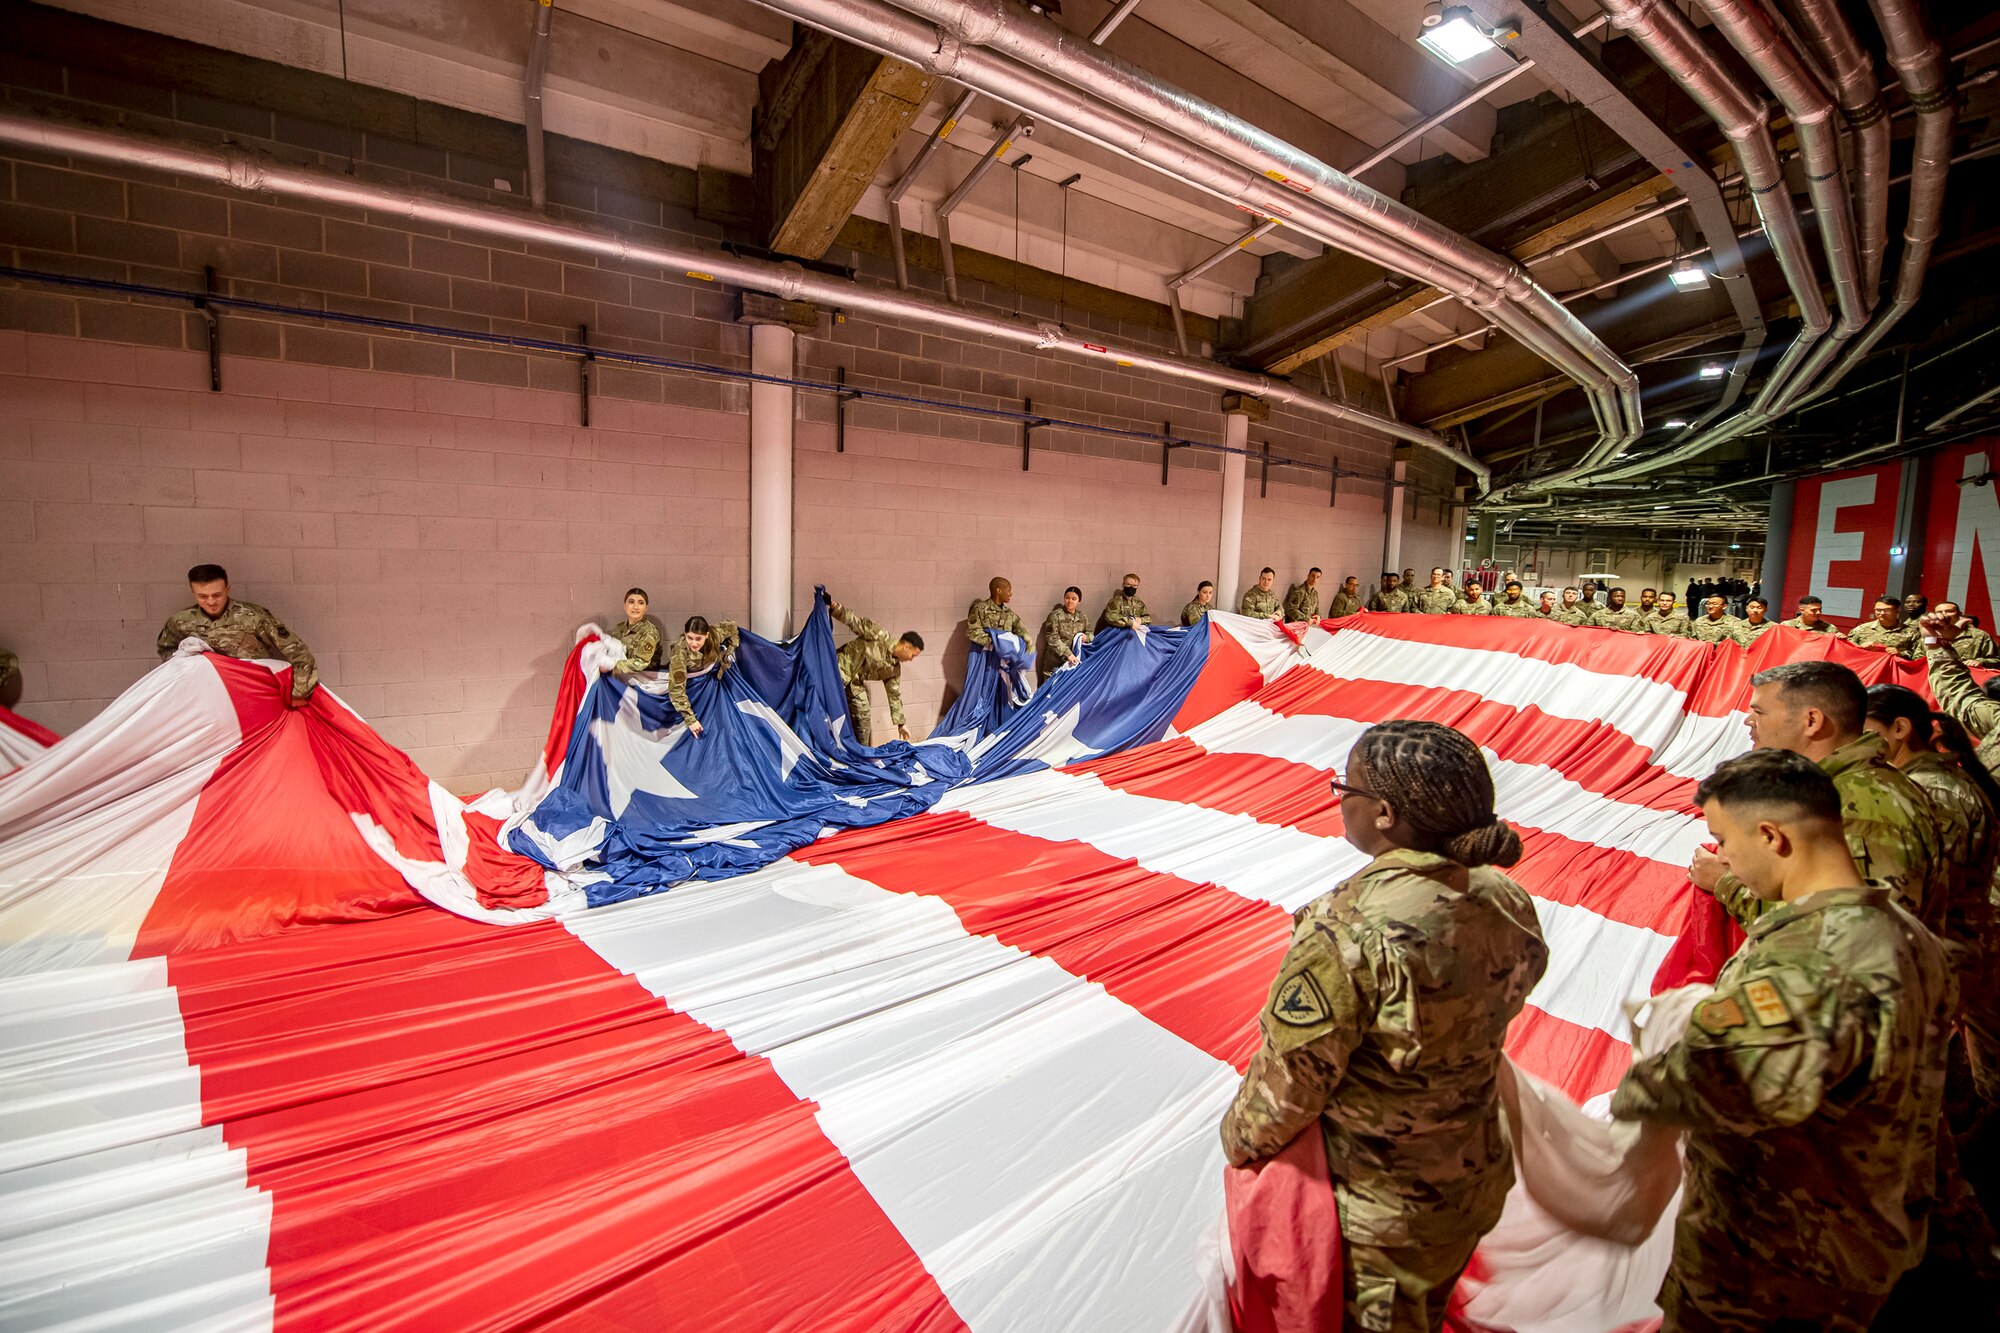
[
  {"x": 21, "y": 739},
  {"x": 961, "y": 1069}
]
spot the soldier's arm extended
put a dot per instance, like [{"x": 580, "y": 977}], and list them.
[
  {"x": 677, "y": 685},
  {"x": 1958, "y": 693},
  {"x": 305, "y": 672},
  {"x": 1311, "y": 1023},
  {"x": 1761, "y": 1053},
  {"x": 863, "y": 627},
  {"x": 639, "y": 649},
  {"x": 975, "y": 628},
  {"x": 1738, "y": 901},
  {"x": 893, "y": 687}
]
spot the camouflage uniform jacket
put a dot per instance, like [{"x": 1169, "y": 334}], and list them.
[
  {"x": 1891, "y": 831},
  {"x": 871, "y": 655},
  {"x": 244, "y": 629},
  {"x": 1573, "y": 615},
  {"x": 1301, "y": 603},
  {"x": 1192, "y": 613},
  {"x": 1344, "y": 603},
  {"x": 1753, "y": 632},
  {"x": 10, "y": 666},
  {"x": 987, "y": 615},
  {"x": 718, "y": 652},
  {"x": 642, "y": 645},
  {"x": 1903, "y": 641},
  {"x": 1521, "y": 608},
  {"x": 1385, "y": 1025},
  {"x": 1723, "y": 629},
  {"x": 1809, "y": 1086},
  {"x": 1122, "y": 612},
  {"x": 1971, "y": 845},
  {"x": 1959, "y": 694},
  {"x": 1436, "y": 601},
  {"x": 1472, "y": 606},
  {"x": 1394, "y": 600},
  {"x": 1630, "y": 619},
  {"x": 1260, "y": 603},
  {"x": 1059, "y": 630},
  {"x": 1674, "y": 626},
  {"x": 1817, "y": 627},
  {"x": 1975, "y": 647}
]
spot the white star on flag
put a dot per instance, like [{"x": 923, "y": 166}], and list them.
[
  {"x": 635, "y": 759},
  {"x": 1058, "y": 743},
  {"x": 790, "y": 748}
]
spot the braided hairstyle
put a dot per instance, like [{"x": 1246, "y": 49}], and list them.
[{"x": 1441, "y": 789}]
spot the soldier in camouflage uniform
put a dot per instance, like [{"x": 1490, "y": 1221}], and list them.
[
  {"x": 1474, "y": 603},
  {"x": 1971, "y": 645},
  {"x": 1958, "y": 693},
  {"x": 1755, "y": 621},
  {"x": 1572, "y": 611},
  {"x": 1817, "y": 709},
  {"x": 1437, "y": 599},
  {"x": 872, "y": 655},
  {"x": 237, "y": 629},
  {"x": 1260, "y": 602},
  {"x": 1887, "y": 632},
  {"x": 1383, "y": 1028},
  {"x": 1124, "y": 610},
  {"x": 1716, "y": 625},
  {"x": 1512, "y": 603},
  {"x": 1391, "y": 596},
  {"x": 1346, "y": 600},
  {"x": 1810, "y": 620},
  {"x": 1809, "y": 1085},
  {"x": 1302, "y": 599},
  {"x": 1666, "y": 619},
  {"x": 1964, "y": 820},
  {"x": 700, "y": 647},
  {"x": 1648, "y": 599},
  {"x": 1203, "y": 603},
  {"x": 991, "y": 612},
  {"x": 10, "y": 678},
  {"x": 639, "y": 635},
  {"x": 1617, "y": 615},
  {"x": 1059, "y": 630}
]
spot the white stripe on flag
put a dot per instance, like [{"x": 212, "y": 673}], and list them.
[
  {"x": 1018, "y": 1125},
  {"x": 117, "y": 1207}
]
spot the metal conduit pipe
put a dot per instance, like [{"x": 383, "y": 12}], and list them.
[
  {"x": 538, "y": 69},
  {"x": 241, "y": 170},
  {"x": 1861, "y": 104},
  {"x": 1065, "y": 82}
]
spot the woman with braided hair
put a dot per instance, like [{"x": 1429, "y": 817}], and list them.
[{"x": 1383, "y": 1030}]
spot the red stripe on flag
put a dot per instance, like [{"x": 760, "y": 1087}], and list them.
[
  {"x": 30, "y": 728},
  {"x": 1228, "y": 677},
  {"x": 467, "y": 1126}
]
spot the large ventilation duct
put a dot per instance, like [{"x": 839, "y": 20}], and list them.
[
  {"x": 1060, "y": 79},
  {"x": 241, "y": 170}
]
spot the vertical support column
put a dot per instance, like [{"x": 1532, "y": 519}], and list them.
[
  {"x": 771, "y": 416},
  {"x": 1392, "y": 542},
  {"x": 1778, "y": 549},
  {"x": 1485, "y": 539},
  {"x": 1238, "y": 411}
]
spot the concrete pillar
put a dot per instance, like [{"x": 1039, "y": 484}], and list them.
[
  {"x": 1485, "y": 539},
  {"x": 1778, "y": 549},
  {"x": 1904, "y": 552},
  {"x": 1392, "y": 544},
  {"x": 1229, "y": 539},
  {"x": 771, "y": 420}
]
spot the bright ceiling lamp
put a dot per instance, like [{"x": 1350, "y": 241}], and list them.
[
  {"x": 1688, "y": 276},
  {"x": 1452, "y": 34},
  {"x": 1711, "y": 370},
  {"x": 1675, "y": 423}
]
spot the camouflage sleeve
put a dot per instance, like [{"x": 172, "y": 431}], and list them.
[
  {"x": 1294, "y": 606},
  {"x": 728, "y": 638},
  {"x": 975, "y": 627},
  {"x": 893, "y": 688},
  {"x": 1114, "y": 616},
  {"x": 1312, "y": 1022},
  {"x": 1892, "y": 852},
  {"x": 1738, "y": 901},
  {"x": 1014, "y": 624},
  {"x": 10, "y": 667},
  {"x": 1759, "y": 1054},
  {"x": 305, "y": 672},
  {"x": 170, "y": 637},
  {"x": 863, "y": 627},
  {"x": 1958, "y": 694},
  {"x": 639, "y": 649},
  {"x": 677, "y": 683},
  {"x": 1053, "y": 637}
]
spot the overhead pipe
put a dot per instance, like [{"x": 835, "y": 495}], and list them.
[
  {"x": 1021, "y": 127},
  {"x": 1276, "y": 180},
  {"x": 538, "y": 69},
  {"x": 1860, "y": 99},
  {"x": 238, "y": 169},
  {"x": 1109, "y": 24},
  {"x": 1182, "y": 279}
]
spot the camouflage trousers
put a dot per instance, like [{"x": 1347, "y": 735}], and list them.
[
  {"x": 1754, "y": 1303},
  {"x": 1404, "y": 1289},
  {"x": 857, "y": 712}
]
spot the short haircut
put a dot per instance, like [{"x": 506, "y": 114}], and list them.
[
  {"x": 1900, "y": 703},
  {"x": 1315, "y": 570},
  {"x": 637, "y": 592},
  {"x": 1827, "y": 686},
  {"x": 1390, "y": 574},
  {"x": 1440, "y": 569},
  {"x": 1134, "y": 577},
  {"x": 914, "y": 639},
  {"x": 1769, "y": 778},
  {"x": 1886, "y": 600},
  {"x": 1571, "y": 588},
  {"x": 1513, "y": 583},
  {"x": 1644, "y": 591},
  {"x": 1756, "y": 601},
  {"x": 1810, "y": 600},
  {"x": 208, "y": 574},
  {"x": 996, "y": 583},
  {"x": 1072, "y": 588},
  {"x": 1205, "y": 583},
  {"x": 1267, "y": 570}
]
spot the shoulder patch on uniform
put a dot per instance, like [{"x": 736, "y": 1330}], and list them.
[
  {"x": 1299, "y": 1002},
  {"x": 1767, "y": 1002},
  {"x": 1718, "y": 1015}
]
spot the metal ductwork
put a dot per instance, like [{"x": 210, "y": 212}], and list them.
[
  {"x": 242, "y": 170},
  {"x": 531, "y": 89},
  {"x": 1059, "y": 78}
]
